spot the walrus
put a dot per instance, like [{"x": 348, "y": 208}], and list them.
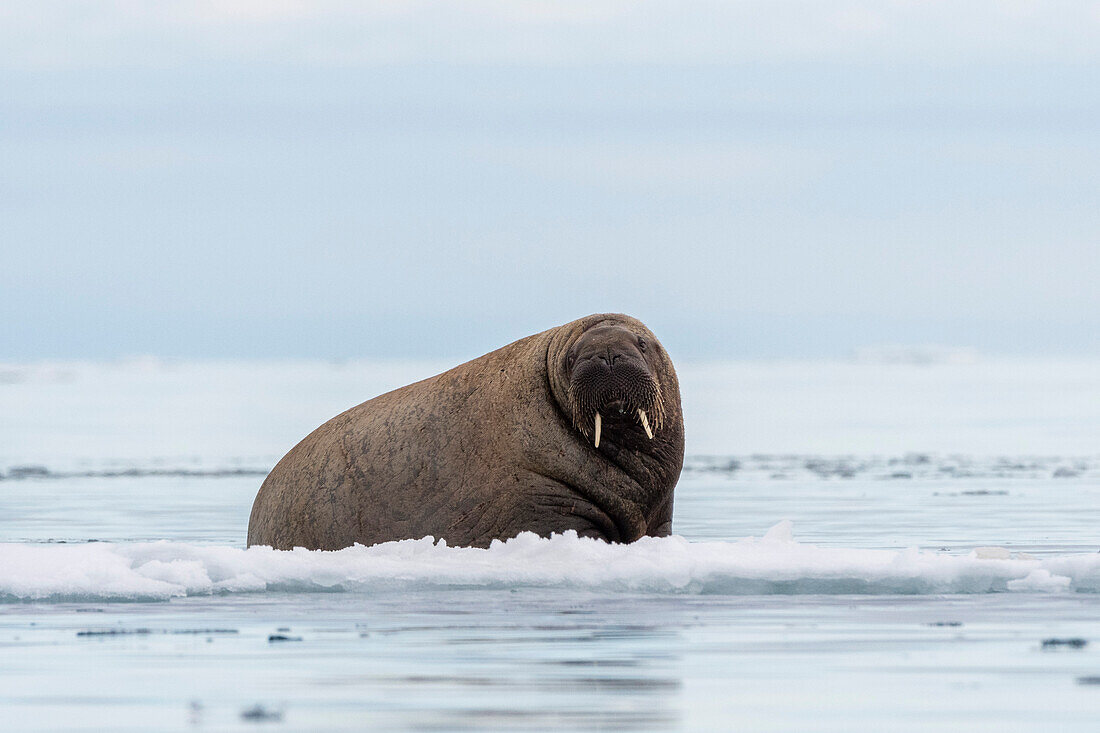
[{"x": 576, "y": 428}]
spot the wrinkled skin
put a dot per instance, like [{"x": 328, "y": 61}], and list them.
[{"x": 494, "y": 447}]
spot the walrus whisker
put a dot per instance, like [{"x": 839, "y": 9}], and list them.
[
  {"x": 645, "y": 423},
  {"x": 598, "y": 427}
]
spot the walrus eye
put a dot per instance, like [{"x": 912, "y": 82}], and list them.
[{"x": 641, "y": 345}]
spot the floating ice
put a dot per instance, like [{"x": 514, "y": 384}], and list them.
[{"x": 775, "y": 564}]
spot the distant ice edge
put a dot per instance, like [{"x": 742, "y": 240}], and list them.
[{"x": 773, "y": 564}]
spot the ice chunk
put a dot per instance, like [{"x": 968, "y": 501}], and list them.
[{"x": 774, "y": 564}]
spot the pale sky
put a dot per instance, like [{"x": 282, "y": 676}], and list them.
[{"x": 341, "y": 179}]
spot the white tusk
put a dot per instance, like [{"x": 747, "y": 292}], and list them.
[
  {"x": 645, "y": 423},
  {"x": 598, "y": 427}
]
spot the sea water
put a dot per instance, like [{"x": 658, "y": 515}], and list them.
[{"x": 883, "y": 544}]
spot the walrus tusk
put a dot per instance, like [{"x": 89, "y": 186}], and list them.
[
  {"x": 598, "y": 426},
  {"x": 645, "y": 423}
]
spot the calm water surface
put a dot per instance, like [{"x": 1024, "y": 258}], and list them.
[{"x": 536, "y": 658}]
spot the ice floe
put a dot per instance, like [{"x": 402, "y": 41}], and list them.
[{"x": 773, "y": 564}]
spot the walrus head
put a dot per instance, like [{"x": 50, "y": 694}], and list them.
[
  {"x": 612, "y": 384},
  {"x": 620, "y": 422}
]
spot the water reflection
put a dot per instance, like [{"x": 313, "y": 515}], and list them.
[
  {"x": 529, "y": 664},
  {"x": 532, "y": 660}
]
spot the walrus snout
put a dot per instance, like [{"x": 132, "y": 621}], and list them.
[{"x": 611, "y": 379}]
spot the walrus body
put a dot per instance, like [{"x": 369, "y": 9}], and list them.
[{"x": 550, "y": 433}]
